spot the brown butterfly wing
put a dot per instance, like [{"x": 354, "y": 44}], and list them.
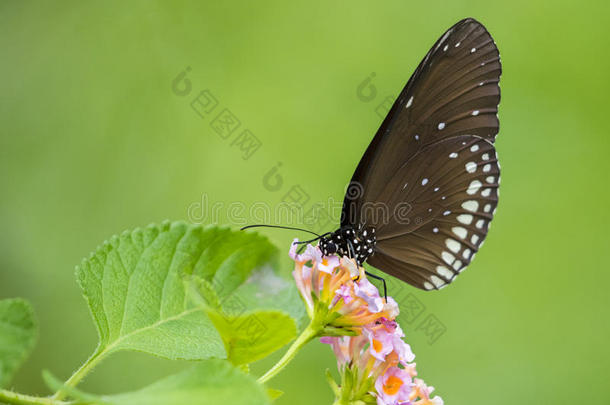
[
  {"x": 449, "y": 106},
  {"x": 454, "y": 91},
  {"x": 441, "y": 214}
]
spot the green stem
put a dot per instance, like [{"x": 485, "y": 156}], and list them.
[
  {"x": 308, "y": 334},
  {"x": 79, "y": 374},
  {"x": 11, "y": 397}
]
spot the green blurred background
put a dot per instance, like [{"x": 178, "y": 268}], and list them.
[{"x": 95, "y": 141}]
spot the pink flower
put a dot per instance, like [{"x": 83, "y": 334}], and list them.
[
  {"x": 341, "y": 346},
  {"x": 368, "y": 292},
  {"x": 329, "y": 264},
  {"x": 336, "y": 292},
  {"x": 344, "y": 293},
  {"x": 311, "y": 253},
  {"x": 391, "y": 307},
  {"x": 421, "y": 394},
  {"x": 375, "y": 363},
  {"x": 377, "y": 366},
  {"x": 387, "y": 336},
  {"x": 381, "y": 343},
  {"x": 393, "y": 387}
]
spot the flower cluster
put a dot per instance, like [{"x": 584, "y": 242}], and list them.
[
  {"x": 376, "y": 368},
  {"x": 375, "y": 363},
  {"x": 337, "y": 293}
]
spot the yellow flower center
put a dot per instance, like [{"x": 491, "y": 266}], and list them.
[
  {"x": 377, "y": 345},
  {"x": 392, "y": 385}
]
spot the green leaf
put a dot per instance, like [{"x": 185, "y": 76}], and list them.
[
  {"x": 248, "y": 335},
  {"x": 18, "y": 330},
  {"x": 135, "y": 290},
  {"x": 266, "y": 290},
  {"x": 210, "y": 382},
  {"x": 254, "y": 334}
]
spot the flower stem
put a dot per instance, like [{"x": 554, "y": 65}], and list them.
[
  {"x": 79, "y": 374},
  {"x": 10, "y": 397},
  {"x": 308, "y": 334}
]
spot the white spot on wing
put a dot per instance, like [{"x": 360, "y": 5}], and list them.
[
  {"x": 441, "y": 126},
  {"x": 435, "y": 230},
  {"x": 424, "y": 182},
  {"x": 445, "y": 48},
  {"x": 428, "y": 286},
  {"x": 473, "y": 50},
  {"x": 466, "y": 253},
  {"x": 471, "y": 167},
  {"x": 487, "y": 208},
  {"x": 465, "y": 219},
  {"x": 448, "y": 257},
  {"x": 457, "y": 264},
  {"x": 470, "y": 205},
  {"x": 480, "y": 223},
  {"x": 458, "y": 44},
  {"x": 453, "y": 245},
  {"x": 437, "y": 281},
  {"x": 459, "y": 231},
  {"x": 445, "y": 272},
  {"x": 474, "y": 186},
  {"x": 474, "y": 238},
  {"x": 475, "y": 113},
  {"x": 485, "y": 156},
  {"x": 490, "y": 179},
  {"x": 487, "y": 168},
  {"x": 453, "y": 155},
  {"x": 486, "y": 192},
  {"x": 474, "y": 148},
  {"x": 410, "y": 102},
  {"x": 446, "y": 213}
]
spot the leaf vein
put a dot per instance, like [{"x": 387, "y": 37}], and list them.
[{"x": 144, "y": 251}]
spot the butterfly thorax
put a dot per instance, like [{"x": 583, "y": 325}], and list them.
[{"x": 346, "y": 241}]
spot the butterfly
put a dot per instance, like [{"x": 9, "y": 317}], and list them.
[{"x": 421, "y": 200}]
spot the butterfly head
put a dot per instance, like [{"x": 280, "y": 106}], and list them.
[{"x": 328, "y": 246}]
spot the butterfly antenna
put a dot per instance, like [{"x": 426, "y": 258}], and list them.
[{"x": 280, "y": 227}]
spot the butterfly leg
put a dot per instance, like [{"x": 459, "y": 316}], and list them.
[
  {"x": 352, "y": 253},
  {"x": 385, "y": 288},
  {"x": 350, "y": 249}
]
